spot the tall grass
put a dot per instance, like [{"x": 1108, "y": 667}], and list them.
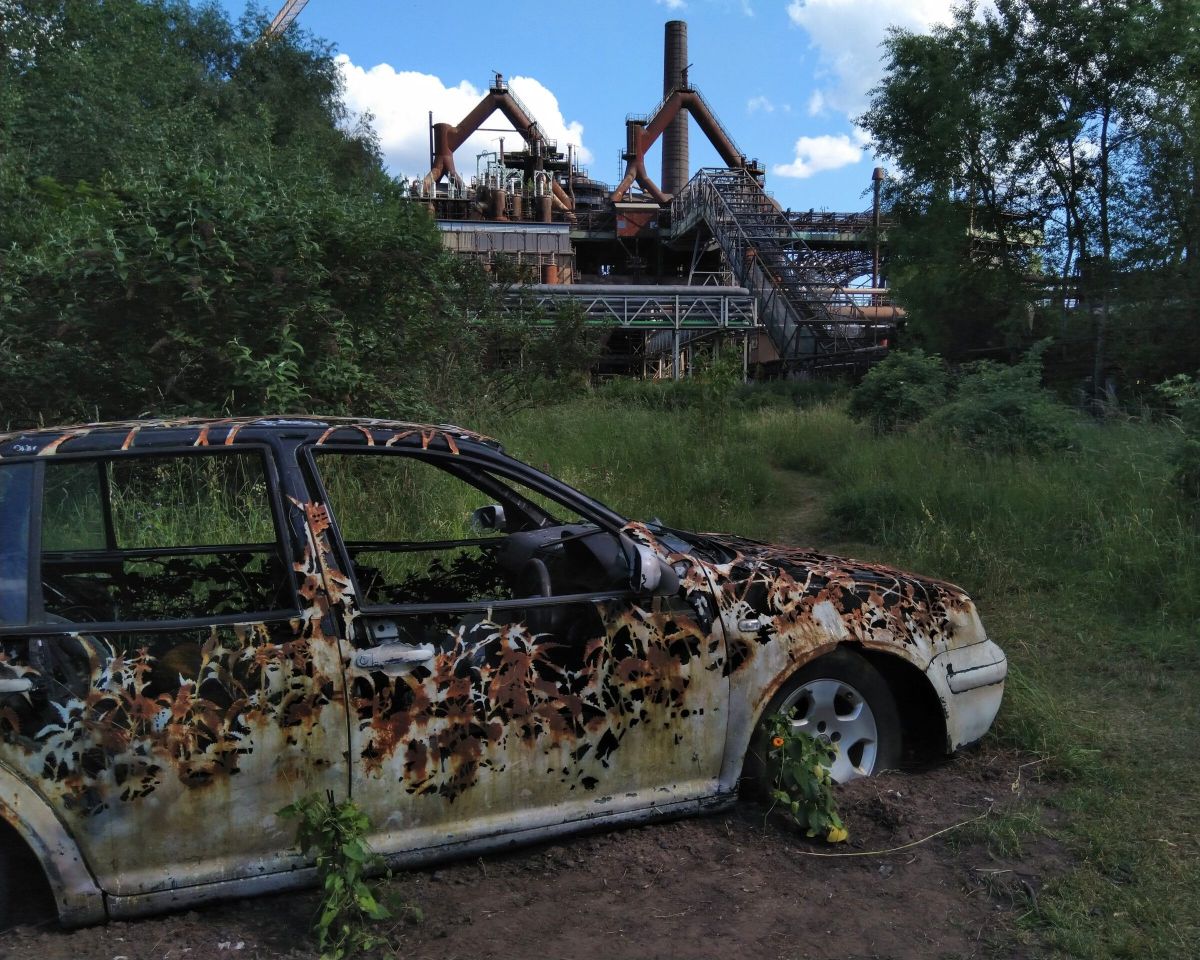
[{"x": 1085, "y": 565}]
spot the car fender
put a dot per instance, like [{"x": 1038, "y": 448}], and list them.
[
  {"x": 76, "y": 894},
  {"x": 752, "y": 690}
]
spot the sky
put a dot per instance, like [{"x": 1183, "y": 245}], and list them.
[{"x": 785, "y": 77}]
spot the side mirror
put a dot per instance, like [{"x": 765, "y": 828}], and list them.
[
  {"x": 653, "y": 575},
  {"x": 489, "y": 518}
]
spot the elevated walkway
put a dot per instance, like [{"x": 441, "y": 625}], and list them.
[
  {"x": 644, "y": 307},
  {"x": 813, "y": 322}
]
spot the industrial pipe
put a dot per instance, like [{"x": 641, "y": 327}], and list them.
[
  {"x": 675, "y": 140},
  {"x": 447, "y": 138},
  {"x": 641, "y": 137}
]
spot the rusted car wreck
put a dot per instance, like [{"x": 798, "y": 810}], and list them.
[{"x": 201, "y": 621}]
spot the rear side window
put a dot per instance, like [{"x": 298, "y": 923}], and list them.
[
  {"x": 73, "y": 507},
  {"x": 160, "y": 538},
  {"x": 16, "y": 485}
]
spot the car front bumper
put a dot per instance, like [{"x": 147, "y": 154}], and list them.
[{"x": 970, "y": 684}]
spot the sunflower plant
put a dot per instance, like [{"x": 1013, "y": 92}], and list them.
[{"x": 797, "y": 774}]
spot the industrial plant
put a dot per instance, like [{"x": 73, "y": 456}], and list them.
[{"x": 697, "y": 262}]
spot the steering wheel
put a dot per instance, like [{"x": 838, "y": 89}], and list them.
[{"x": 534, "y": 579}]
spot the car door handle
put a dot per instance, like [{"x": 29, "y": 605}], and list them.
[
  {"x": 753, "y": 625},
  {"x": 393, "y": 658},
  {"x": 15, "y": 685}
]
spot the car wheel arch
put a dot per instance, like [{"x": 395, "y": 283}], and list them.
[
  {"x": 77, "y": 897},
  {"x": 922, "y": 716}
]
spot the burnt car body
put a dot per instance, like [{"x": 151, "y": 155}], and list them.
[{"x": 203, "y": 620}]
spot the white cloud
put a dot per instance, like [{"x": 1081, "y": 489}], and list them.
[
  {"x": 671, "y": 4},
  {"x": 543, "y": 104},
  {"x": 815, "y": 154},
  {"x": 400, "y": 101},
  {"x": 816, "y": 104},
  {"x": 847, "y": 35},
  {"x": 760, "y": 103}
]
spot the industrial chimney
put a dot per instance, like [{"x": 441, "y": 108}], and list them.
[{"x": 675, "y": 137}]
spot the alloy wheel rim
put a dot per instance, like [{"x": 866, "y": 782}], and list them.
[{"x": 834, "y": 712}]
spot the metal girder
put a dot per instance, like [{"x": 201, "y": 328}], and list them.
[{"x": 645, "y": 307}]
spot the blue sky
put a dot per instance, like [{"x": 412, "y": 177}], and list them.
[{"x": 784, "y": 76}]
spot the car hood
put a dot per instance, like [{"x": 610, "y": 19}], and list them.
[{"x": 814, "y": 598}]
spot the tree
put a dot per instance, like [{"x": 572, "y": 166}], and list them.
[
  {"x": 190, "y": 222},
  {"x": 961, "y": 192},
  {"x": 1054, "y": 116}
]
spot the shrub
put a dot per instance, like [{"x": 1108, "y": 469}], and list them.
[
  {"x": 1182, "y": 394},
  {"x": 1004, "y": 409},
  {"x": 901, "y": 390}
]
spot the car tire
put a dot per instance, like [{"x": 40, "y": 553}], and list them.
[{"x": 842, "y": 700}]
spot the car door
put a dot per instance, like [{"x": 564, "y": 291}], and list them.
[
  {"x": 164, "y": 688},
  {"x": 504, "y": 677}
]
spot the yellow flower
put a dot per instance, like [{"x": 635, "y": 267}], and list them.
[
  {"x": 777, "y": 741},
  {"x": 836, "y": 834}
]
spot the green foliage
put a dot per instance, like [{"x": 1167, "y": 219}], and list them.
[
  {"x": 1182, "y": 393},
  {"x": 902, "y": 390},
  {"x": 1004, "y": 409},
  {"x": 336, "y": 832},
  {"x": 996, "y": 407},
  {"x": 1053, "y": 139},
  {"x": 190, "y": 222},
  {"x": 797, "y": 772},
  {"x": 695, "y": 393},
  {"x": 199, "y": 290}
]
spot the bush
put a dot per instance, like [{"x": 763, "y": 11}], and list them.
[
  {"x": 1182, "y": 394},
  {"x": 902, "y": 390},
  {"x": 1004, "y": 409}
]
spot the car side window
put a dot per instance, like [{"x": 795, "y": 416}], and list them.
[
  {"x": 424, "y": 530},
  {"x": 164, "y": 537},
  {"x": 16, "y": 484}
]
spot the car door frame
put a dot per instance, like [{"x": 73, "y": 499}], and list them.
[
  {"x": 167, "y": 883},
  {"x": 489, "y": 826}
]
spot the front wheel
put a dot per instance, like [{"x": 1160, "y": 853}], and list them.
[{"x": 841, "y": 700}]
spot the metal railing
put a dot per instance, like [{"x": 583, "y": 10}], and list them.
[
  {"x": 645, "y": 308},
  {"x": 811, "y": 320}
]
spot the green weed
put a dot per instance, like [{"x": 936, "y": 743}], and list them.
[
  {"x": 336, "y": 832},
  {"x": 798, "y": 780}
]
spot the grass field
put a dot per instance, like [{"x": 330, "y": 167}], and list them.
[{"x": 1086, "y": 567}]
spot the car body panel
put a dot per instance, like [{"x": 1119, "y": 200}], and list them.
[
  {"x": 535, "y": 713},
  {"x": 781, "y": 607},
  {"x": 77, "y": 897},
  {"x": 526, "y": 720}
]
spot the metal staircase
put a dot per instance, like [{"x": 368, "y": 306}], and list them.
[{"x": 812, "y": 321}]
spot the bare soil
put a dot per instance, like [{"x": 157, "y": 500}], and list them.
[{"x": 737, "y": 884}]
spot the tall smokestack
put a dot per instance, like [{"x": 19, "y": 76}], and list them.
[{"x": 675, "y": 137}]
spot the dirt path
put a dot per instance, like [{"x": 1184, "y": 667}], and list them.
[{"x": 725, "y": 885}]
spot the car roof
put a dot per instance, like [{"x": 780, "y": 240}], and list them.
[{"x": 225, "y": 431}]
